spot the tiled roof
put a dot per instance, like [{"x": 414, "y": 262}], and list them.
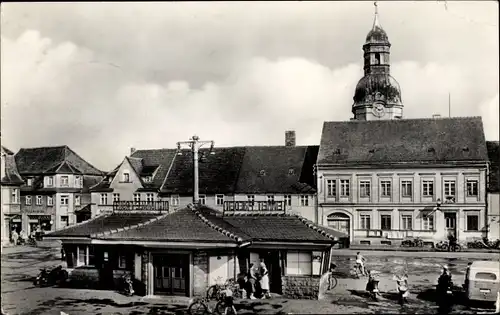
[
  {"x": 218, "y": 172},
  {"x": 276, "y": 169},
  {"x": 6, "y": 151},
  {"x": 103, "y": 224},
  {"x": 43, "y": 160},
  {"x": 160, "y": 158},
  {"x": 200, "y": 225},
  {"x": 181, "y": 225},
  {"x": 404, "y": 140},
  {"x": 11, "y": 176},
  {"x": 494, "y": 157}
]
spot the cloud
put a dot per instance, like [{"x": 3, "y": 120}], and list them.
[{"x": 62, "y": 93}]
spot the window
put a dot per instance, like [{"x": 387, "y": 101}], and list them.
[
  {"x": 428, "y": 188},
  {"x": 299, "y": 263},
  {"x": 28, "y": 200},
  {"x": 472, "y": 222},
  {"x": 407, "y": 222},
  {"x": 364, "y": 221},
  {"x": 472, "y": 188},
  {"x": 251, "y": 198},
  {"x": 116, "y": 197},
  {"x": 270, "y": 198},
  {"x": 203, "y": 199},
  {"x": 331, "y": 187},
  {"x": 175, "y": 200},
  {"x": 64, "y": 200},
  {"x": 364, "y": 188},
  {"x": 50, "y": 181},
  {"x": 220, "y": 199},
  {"x": 64, "y": 221},
  {"x": 428, "y": 222},
  {"x": 122, "y": 262},
  {"x": 85, "y": 256},
  {"x": 291, "y": 171},
  {"x": 64, "y": 181},
  {"x": 77, "y": 181},
  {"x": 137, "y": 197},
  {"x": 304, "y": 200},
  {"x": 77, "y": 200},
  {"x": 449, "y": 188},
  {"x": 385, "y": 188},
  {"x": 15, "y": 196},
  {"x": 406, "y": 188},
  {"x": 149, "y": 197},
  {"x": 288, "y": 200},
  {"x": 104, "y": 199},
  {"x": 29, "y": 181},
  {"x": 385, "y": 221},
  {"x": 344, "y": 188},
  {"x": 147, "y": 179},
  {"x": 50, "y": 201},
  {"x": 126, "y": 177},
  {"x": 38, "y": 200},
  {"x": 486, "y": 276}
]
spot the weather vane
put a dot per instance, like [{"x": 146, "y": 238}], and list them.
[{"x": 376, "y": 9}]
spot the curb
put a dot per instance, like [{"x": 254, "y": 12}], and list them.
[{"x": 428, "y": 250}]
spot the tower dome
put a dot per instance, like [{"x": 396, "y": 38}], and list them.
[{"x": 377, "y": 94}]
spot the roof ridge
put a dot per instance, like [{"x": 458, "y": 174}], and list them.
[
  {"x": 226, "y": 233},
  {"x": 68, "y": 149},
  {"x": 134, "y": 226},
  {"x": 313, "y": 226},
  {"x": 168, "y": 171}
]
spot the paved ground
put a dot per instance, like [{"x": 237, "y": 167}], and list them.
[{"x": 21, "y": 264}]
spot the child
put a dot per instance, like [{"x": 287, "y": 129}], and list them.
[
  {"x": 360, "y": 262},
  {"x": 330, "y": 276},
  {"x": 229, "y": 301}
]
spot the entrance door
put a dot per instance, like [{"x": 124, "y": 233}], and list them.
[
  {"x": 339, "y": 221},
  {"x": 450, "y": 219},
  {"x": 171, "y": 274},
  {"x": 272, "y": 261}
]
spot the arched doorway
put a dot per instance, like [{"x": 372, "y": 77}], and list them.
[{"x": 339, "y": 221}]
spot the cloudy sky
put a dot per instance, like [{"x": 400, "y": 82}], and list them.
[{"x": 104, "y": 77}]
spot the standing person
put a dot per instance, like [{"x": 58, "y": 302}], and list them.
[
  {"x": 360, "y": 263},
  {"x": 264, "y": 280},
  {"x": 229, "y": 301},
  {"x": 251, "y": 282},
  {"x": 452, "y": 241},
  {"x": 466, "y": 284},
  {"x": 23, "y": 237},
  {"x": 15, "y": 237}
]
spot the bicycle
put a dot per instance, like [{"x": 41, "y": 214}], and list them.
[
  {"x": 214, "y": 291},
  {"x": 332, "y": 281},
  {"x": 201, "y": 306},
  {"x": 356, "y": 271}
]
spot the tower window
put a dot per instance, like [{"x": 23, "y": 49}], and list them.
[{"x": 377, "y": 58}]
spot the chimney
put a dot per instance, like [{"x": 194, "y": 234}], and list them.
[
  {"x": 436, "y": 116},
  {"x": 132, "y": 150},
  {"x": 290, "y": 138}
]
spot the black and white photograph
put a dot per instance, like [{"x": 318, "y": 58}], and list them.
[{"x": 240, "y": 157}]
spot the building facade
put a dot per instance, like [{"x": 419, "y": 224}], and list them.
[
  {"x": 11, "y": 182},
  {"x": 55, "y": 190},
  {"x": 493, "y": 190},
  {"x": 256, "y": 177},
  {"x": 383, "y": 179}
]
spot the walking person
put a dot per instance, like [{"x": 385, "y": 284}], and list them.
[
  {"x": 360, "y": 263},
  {"x": 264, "y": 280}
]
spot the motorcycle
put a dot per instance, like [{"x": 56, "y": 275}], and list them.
[
  {"x": 56, "y": 276},
  {"x": 372, "y": 287},
  {"x": 127, "y": 285},
  {"x": 403, "y": 291}
]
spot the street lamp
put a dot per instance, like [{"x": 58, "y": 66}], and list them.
[{"x": 195, "y": 144}]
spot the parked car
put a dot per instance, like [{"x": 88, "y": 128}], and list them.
[{"x": 482, "y": 281}]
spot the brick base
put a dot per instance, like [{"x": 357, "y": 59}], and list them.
[{"x": 300, "y": 287}]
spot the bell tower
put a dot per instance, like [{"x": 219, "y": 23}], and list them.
[{"x": 377, "y": 94}]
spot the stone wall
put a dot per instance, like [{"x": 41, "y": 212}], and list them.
[
  {"x": 200, "y": 273},
  {"x": 300, "y": 287}
]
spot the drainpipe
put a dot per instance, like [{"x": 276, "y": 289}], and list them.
[{"x": 486, "y": 206}]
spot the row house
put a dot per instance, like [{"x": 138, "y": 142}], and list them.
[
  {"x": 11, "y": 182},
  {"x": 55, "y": 189},
  {"x": 230, "y": 179},
  {"x": 383, "y": 181},
  {"x": 493, "y": 192}
]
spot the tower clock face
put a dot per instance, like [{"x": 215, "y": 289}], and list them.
[{"x": 378, "y": 110}]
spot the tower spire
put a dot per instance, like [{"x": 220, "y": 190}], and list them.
[{"x": 376, "y": 22}]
